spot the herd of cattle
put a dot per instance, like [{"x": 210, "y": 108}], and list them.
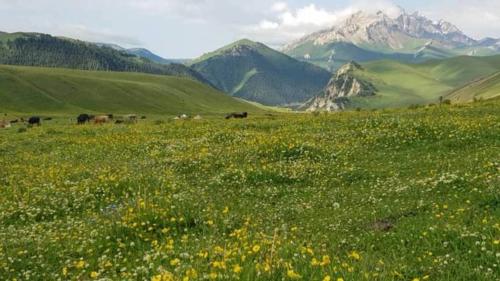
[
  {"x": 101, "y": 119},
  {"x": 108, "y": 118}
]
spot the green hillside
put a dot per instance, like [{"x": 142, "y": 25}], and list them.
[
  {"x": 52, "y": 90},
  {"x": 486, "y": 88},
  {"x": 332, "y": 56},
  {"x": 401, "y": 84},
  {"x": 34, "y": 49},
  {"x": 258, "y": 73}
]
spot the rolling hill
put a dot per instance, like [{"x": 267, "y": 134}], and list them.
[
  {"x": 258, "y": 73},
  {"x": 54, "y": 90},
  {"x": 34, "y": 49},
  {"x": 398, "y": 84},
  {"x": 486, "y": 88}
]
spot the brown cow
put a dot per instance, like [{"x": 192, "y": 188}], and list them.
[
  {"x": 4, "y": 124},
  {"x": 101, "y": 119}
]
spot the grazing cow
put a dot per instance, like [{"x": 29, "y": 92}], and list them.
[
  {"x": 102, "y": 119},
  {"x": 197, "y": 117},
  {"x": 83, "y": 118},
  {"x": 119, "y": 121},
  {"x": 143, "y": 117},
  {"x": 4, "y": 124},
  {"x": 14, "y": 121},
  {"x": 131, "y": 118},
  {"x": 237, "y": 115},
  {"x": 182, "y": 117},
  {"x": 35, "y": 120}
]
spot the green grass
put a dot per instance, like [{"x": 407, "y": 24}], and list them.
[
  {"x": 50, "y": 90},
  {"x": 401, "y": 85},
  {"x": 486, "y": 88},
  {"x": 371, "y": 195}
]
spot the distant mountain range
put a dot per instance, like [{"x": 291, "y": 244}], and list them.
[
  {"x": 407, "y": 37},
  {"x": 370, "y": 60},
  {"x": 139, "y": 52},
  {"x": 34, "y": 49},
  {"x": 255, "y": 72}
]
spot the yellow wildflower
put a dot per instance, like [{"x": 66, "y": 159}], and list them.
[
  {"x": 355, "y": 255},
  {"x": 236, "y": 268},
  {"x": 94, "y": 275},
  {"x": 292, "y": 274},
  {"x": 166, "y": 276},
  {"x": 175, "y": 262},
  {"x": 80, "y": 264},
  {"x": 327, "y": 278},
  {"x": 256, "y": 248},
  {"x": 191, "y": 273},
  {"x": 325, "y": 260}
]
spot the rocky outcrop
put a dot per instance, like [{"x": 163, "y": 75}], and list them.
[{"x": 343, "y": 86}]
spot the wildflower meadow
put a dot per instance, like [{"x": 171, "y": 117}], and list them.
[{"x": 370, "y": 195}]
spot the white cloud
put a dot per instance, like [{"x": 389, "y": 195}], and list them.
[
  {"x": 279, "y": 7},
  {"x": 285, "y": 24},
  {"x": 479, "y": 19}
]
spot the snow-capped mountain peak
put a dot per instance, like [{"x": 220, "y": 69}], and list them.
[{"x": 395, "y": 32}]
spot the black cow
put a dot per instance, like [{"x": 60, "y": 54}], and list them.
[
  {"x": 83, "y": 118},
  {"x": 237, "y": 115},
  {"x": 35, "y": 120}
]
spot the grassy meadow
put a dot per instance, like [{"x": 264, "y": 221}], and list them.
[
  {"x": 371, "y": 195},
  {"x": 66, "y": 91},
  {"x": 402, "y": 85}
]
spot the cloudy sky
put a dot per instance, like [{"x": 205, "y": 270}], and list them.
[{"x": 189, "y": 28}]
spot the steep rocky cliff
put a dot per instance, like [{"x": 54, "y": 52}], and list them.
[{"x": 343, "y": 86}]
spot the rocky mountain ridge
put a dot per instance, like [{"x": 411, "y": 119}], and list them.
[
  {"x": 366, "y": 36},
  {"x": 343, "y": 86}
]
